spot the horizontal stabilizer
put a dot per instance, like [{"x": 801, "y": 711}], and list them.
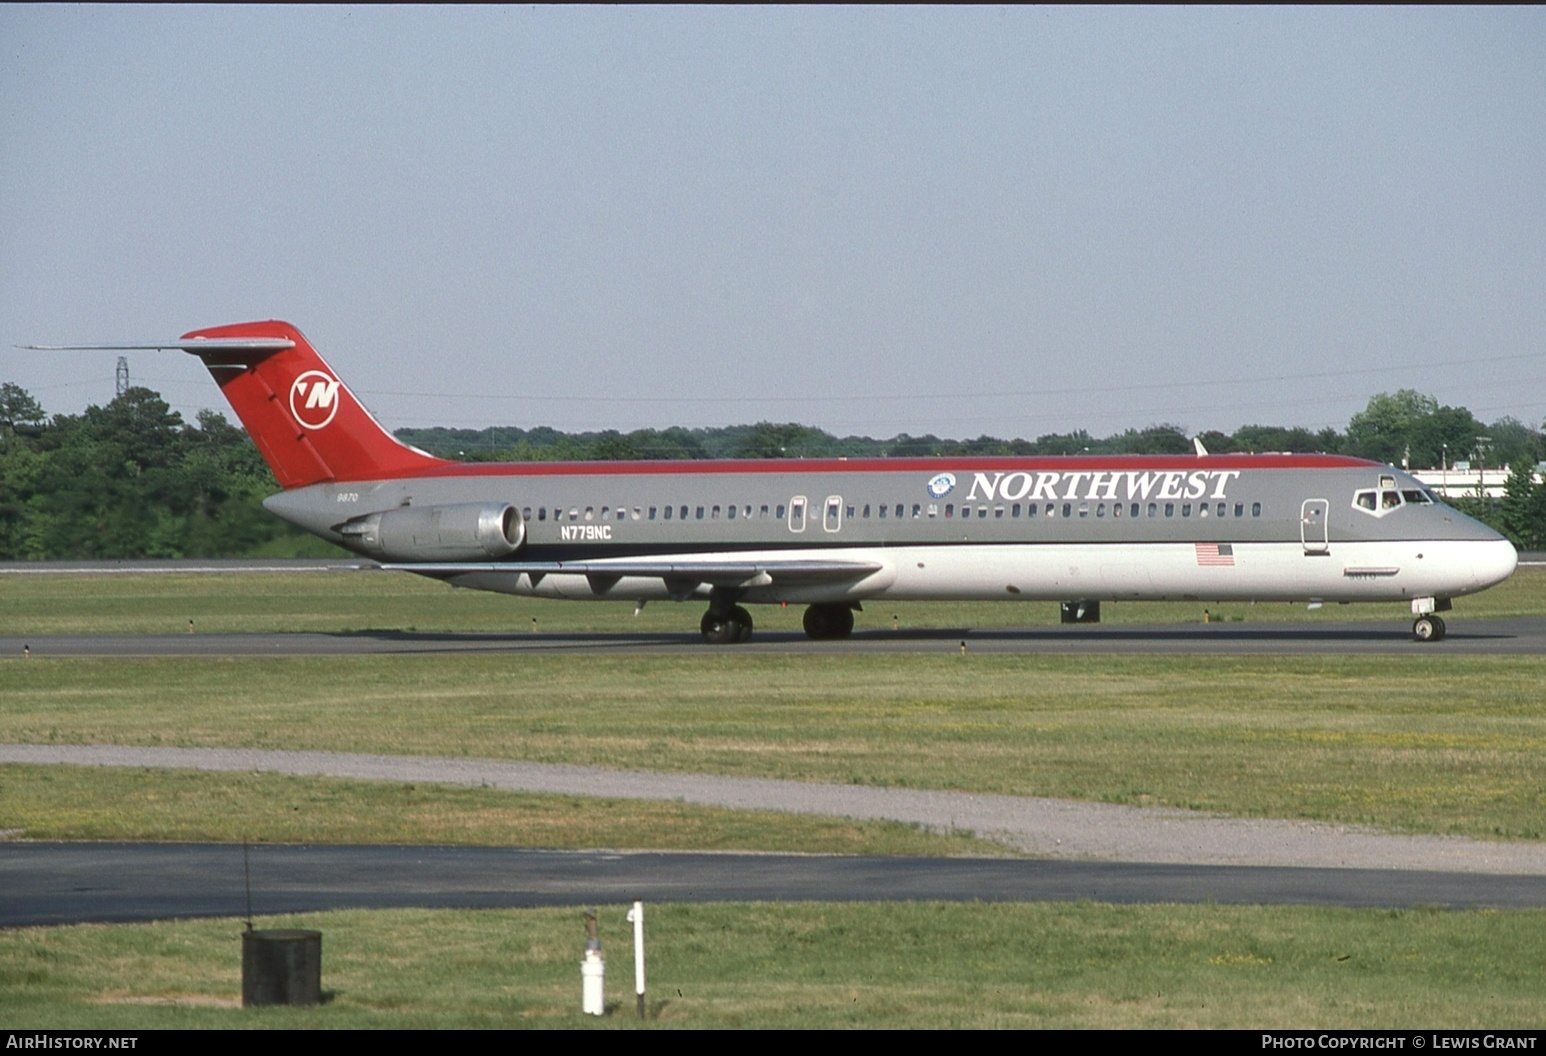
[{"x": 198, "y": 346}]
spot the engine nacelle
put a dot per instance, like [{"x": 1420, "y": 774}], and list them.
[{"x": 471, "y": 531}]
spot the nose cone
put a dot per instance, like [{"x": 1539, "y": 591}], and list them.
[{"x": 1492, "y": 562}]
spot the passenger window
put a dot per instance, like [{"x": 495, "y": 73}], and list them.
[
  {"x": 998, "y": 511},
  {"x": 700, "y": 512},
  {"x": 883, "y": 509},
  {"x": 542, "y": 513},
  {"x": 1153, "y": 509},
  {"x": 1116, "y": 509},
  {"x": 1202, "y": 510},
  {"x": 1100, "y": 510},
  {"x": 866, "y": 510},
  {"x": 683, "y": 514},
  {"x": 668, "y": 512},
  {"x": 1068, "y": 509},
  {"x": 950, "y": 509},
  {"x": 652, "y": 513},
  {"x": 1186, "y": 509},
  {"x": 574, "y": 513},
  {"x": 731, "y": 512},
  {"x": 1239, "y": 509},
  {"x": 1255, "y": 509},
  {"x": 1133, "y": 510},
  {"x": 1170, "y": 509}
]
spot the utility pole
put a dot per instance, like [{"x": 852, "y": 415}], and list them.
[{"x": 123, "y": 375}]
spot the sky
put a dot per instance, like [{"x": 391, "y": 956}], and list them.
[{"x": 959, "y": 221}]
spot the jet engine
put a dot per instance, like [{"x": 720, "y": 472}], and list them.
[{"x": 465, "y": 532}]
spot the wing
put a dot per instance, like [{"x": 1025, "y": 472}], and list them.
[{"x": 681, "y": 575}]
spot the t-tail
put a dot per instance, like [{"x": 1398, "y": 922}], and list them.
[{"x": 308, "y": 425}]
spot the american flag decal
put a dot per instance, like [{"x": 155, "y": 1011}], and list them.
[{"x": 1216, "y": 555}]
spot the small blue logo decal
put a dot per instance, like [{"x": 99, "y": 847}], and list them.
[{"x": 942, "y": 485}]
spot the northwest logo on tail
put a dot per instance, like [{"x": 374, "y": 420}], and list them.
[{"x": 314, "y": 399}]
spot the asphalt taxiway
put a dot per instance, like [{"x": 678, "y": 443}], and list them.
[
  {"x": 1481, "y": 637},
  {"x": 57, "y": 883}
]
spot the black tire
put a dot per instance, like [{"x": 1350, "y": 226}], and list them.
[
  {"x": 826, "y": 622},
  {"x": 719, "y": 630},
  {"x": 743, "y": 624},
  {"x": 1428, "y": 628}
]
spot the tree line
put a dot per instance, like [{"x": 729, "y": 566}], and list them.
[{"x": 133, "y": 480}]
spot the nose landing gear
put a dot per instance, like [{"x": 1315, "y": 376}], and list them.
[{"x": 1428, "y": 628}]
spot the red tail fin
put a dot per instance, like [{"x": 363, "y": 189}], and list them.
[{"x": 307, "y": 424}]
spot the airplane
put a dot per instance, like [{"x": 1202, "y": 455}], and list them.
[{"x": 832, "y": 534}]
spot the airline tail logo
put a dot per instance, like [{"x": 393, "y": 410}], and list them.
[{"x": 314, "y": 399}]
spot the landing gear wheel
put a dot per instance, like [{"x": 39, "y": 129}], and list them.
[
  {"x": 717, "y": 630},
  {"x": 1428, "y": 628},
  {"x": 729, "y": 629},
  {"x": 828, "y": 621}
]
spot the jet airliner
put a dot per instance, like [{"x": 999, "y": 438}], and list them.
[{"x": 832, "y": 534}]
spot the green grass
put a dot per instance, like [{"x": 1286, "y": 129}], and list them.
[
  {"x": 1421, "y": 743},
  {"x": 351, "y": 601},
  {"x": 921, "y": 965},
  {"x": 99, "y": 803}
]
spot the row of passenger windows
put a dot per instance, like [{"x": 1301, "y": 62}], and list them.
[{"x": 899, "y": 511}]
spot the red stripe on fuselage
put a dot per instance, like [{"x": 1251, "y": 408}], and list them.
[{"x": 968, "y": 464}]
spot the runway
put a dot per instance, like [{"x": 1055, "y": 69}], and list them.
[
  {"x": 1480, "y": 637},
  {"x": 60, "y": 883}
]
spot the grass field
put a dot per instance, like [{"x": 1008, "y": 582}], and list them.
[
  {"x": 803, "y": 965},
  {"x": 1417, "y": 744},
  {"x": 93, "y": 803},
  {"x": 1425, "y": 743}
]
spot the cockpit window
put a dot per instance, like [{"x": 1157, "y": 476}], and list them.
[{"x": 1379, "y": 502}]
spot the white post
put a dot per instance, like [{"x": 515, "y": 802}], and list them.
[
  {"x": 636, "y": 918},
  {"x": 593, "y": 971}
]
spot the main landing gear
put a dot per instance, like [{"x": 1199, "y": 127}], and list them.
[
  {"x": 733, "y": 625},
  {"x": 829, "y": 621},
  {"x": 729, "y": 628}
]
